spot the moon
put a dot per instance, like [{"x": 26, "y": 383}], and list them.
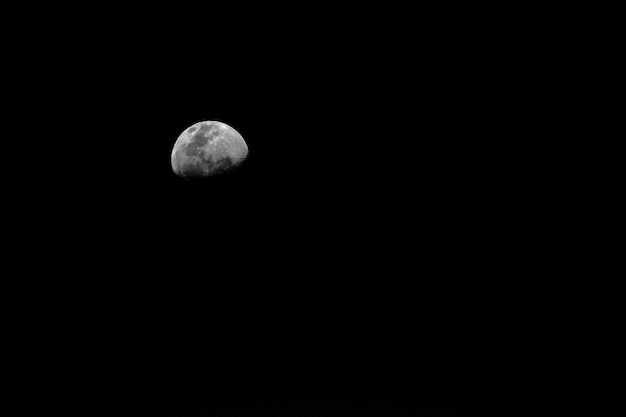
[{"x": 206, "y": 149}]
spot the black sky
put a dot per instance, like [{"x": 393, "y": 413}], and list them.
[{"x": 370, "y": 257}]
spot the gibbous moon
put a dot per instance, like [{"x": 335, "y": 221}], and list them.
[{"x": 206, "y": 149}]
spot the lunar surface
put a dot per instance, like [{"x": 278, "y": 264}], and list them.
[{"x": 207, "y": 148}]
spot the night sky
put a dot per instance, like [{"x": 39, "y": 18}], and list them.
[{"x": 373, "y": 256}]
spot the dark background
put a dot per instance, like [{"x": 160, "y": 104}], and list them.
[{"x": 376, "y": 254}]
